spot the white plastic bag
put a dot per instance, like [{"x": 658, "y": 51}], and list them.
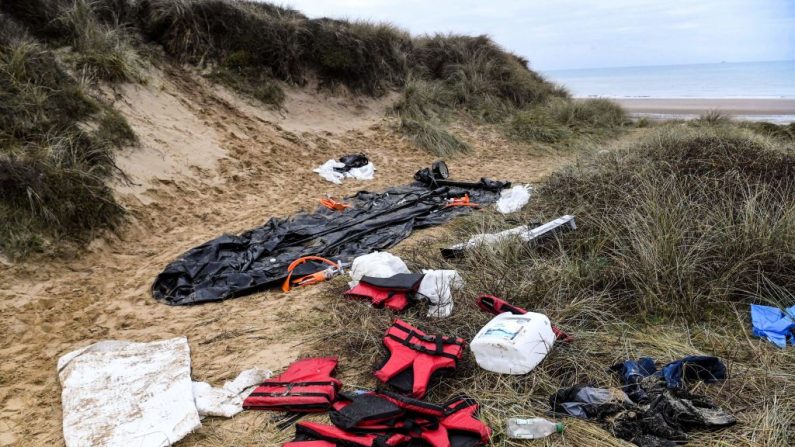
[
  {"x": 326, "y": 170},
  {"x": 227, "y": 401},
  {"x": 437, "y": 286},
  {"x": 514, "y": 199},
  {"x": 378, "y": 264}
]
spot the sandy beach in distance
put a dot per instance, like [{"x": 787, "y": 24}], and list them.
[{"x": 770, "y": 109}]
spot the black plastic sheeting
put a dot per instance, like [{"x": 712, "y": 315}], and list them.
[{"x": 231, "y": 266}]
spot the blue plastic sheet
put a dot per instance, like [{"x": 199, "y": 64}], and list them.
[{"x": 773, "y": 324}]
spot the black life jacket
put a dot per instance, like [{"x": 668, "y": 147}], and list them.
[
  {"x": 305, "y": 387},
  {"x": 453, "y": 424},
  {"x": 395, "y": 293},
  {"x": 414, "y": 357}
]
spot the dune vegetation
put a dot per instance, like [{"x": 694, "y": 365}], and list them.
[{"x": 679, "y": 230}]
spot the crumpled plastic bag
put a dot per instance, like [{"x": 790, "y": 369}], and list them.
[
  {"x": 773, "y": 324},
  {"x": 514, "y": 199},
  {"x": 437, "y": 286},
  {"x": 327, "y": 171},
  {"x": 227, "y": 401},
  {"x": 378, "y": 264}
]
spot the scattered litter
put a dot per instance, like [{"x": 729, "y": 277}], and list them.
[
  {"x": 773, "y": 324},
  {"x": 437, "y": 286},
  {"x": 333, "y": 268},
  {"x": 533, "y": 428},
  {"x": 496, "y": 306},
  {"x": 524, "y": 233},
  {"x": 385, "y": 419},
  {"x": 334, "y": 204},
  {"x": 120, "y": 393},
  {"x": 437, "y": 175},
  {"x": 307, "y": 386},
  {"x": 664, "y": 421},
  {"x": 514, "y": 199},
  {"x": 378, "y": 264},
  {"x": 693, "y": 368},
  {"x": 395, "y": 292},
  {"x": 355, "y": 166},
  {"x": 231, "y": 266},
  {"x": 513, "y": 344},
  {"x": 228, "y": 400},
  {"x": 415, "y": 356},
  {"x": 461, "y": 201}
]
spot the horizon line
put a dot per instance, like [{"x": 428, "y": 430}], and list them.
[{"x": 660, "y": 65}]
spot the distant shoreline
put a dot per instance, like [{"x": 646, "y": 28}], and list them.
[{"x": 778, "y": 110}]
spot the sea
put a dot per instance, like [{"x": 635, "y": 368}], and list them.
[
  {"x": 722, "y": 80},
  {"x": 728, "y": 80}
]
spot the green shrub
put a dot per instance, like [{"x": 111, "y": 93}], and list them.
[
  {"x": 537, "y": 125},
  {"x": 433, "y": 138},
  {"x": 588, "y": 113},
  {"x": 52, "y": 170},
  {"x": 685, "y": 221}
]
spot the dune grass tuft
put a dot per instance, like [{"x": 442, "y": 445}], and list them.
[{"x": 52, "y": 168}]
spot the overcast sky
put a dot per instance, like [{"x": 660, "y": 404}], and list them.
[{"x": 559, "y": 34}]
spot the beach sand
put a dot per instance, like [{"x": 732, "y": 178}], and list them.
[{"x": 761, "y": 109}]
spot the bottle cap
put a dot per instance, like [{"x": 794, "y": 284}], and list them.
[{"x": 559, "y": 427}]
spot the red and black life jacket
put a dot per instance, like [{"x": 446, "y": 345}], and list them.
[
  {"x": 454, "y": 424},
  {"x": 305, "y": 387},
  {"x": 396, "y": 292},
  {"x": 312, "y": 434},
  {"x": 415, "y": 357},
  {"x": 496, "y": 306}
]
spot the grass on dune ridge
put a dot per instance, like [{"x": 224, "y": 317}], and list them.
[{"x": 678, "y": 232}]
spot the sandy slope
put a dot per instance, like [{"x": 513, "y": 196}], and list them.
[{"x": 209, "y": 162}]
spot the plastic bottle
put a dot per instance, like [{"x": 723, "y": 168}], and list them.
[
  {"x": 513, "y": 344},
  {"x": 533, "y": 428}
]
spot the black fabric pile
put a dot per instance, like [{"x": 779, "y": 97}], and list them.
[
  {"x": 657, "y": 411},
  {"x": 352, "y": 161},
  {"x": 235, "y": 265}
]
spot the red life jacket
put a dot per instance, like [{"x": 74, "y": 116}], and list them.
[
  {"x": 414, "y": 357},
  {"x": 312, "y": 434},
  {"x": 454, "y": 424},
  {"x": 496, "y": 306},
  {"x": 395, "y": 293},
  {"x": 305, "y": 387}
]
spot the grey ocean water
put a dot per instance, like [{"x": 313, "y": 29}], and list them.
[{"x": 723, "y": 80}]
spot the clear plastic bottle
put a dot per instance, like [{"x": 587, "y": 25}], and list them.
[{"x": 533, "y": 428}]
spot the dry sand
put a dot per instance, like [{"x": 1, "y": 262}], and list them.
[
  {"x": 209, "y": 162},
  {"x": 778, "y": 110}
]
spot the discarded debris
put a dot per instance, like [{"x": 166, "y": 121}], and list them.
[
  {"x": 437, "y": 287},
  {"x": 227, "y": 401},
  {"x": 379, "y": 264},
  {"x": 355, "y": 166},
  {"x": 773, "y": 324},
  {"x": 307, "y": 386},
  {"x": 514, "y": 199},
  {"x": 121, "y": 393},
  {"x": 493, "y": 305},
  {"x": 513, "y": 344},
  {"x": 395, "y": 292},
  {"x": 533, "y": 428},
  {"x": 524, "y": 233},
  {"x": 388, "y": 419},
  {"x": 333, "y": 269},
  {"x": 415, "y": 356},
  {"x": 231, "y": 266}
]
